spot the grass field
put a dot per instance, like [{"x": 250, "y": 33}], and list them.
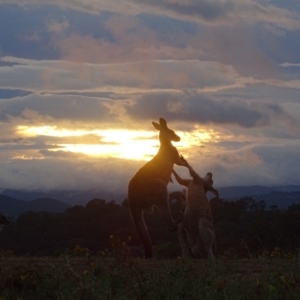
[{"x": 117, "y": 276}]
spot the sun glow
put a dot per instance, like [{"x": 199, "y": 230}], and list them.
[
  {"x": 117, "y": 143},
  {"x": 51, "y": 131}
]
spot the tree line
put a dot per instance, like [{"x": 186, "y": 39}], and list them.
[{"x": 244, "y": 229}]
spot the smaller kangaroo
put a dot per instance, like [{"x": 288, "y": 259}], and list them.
[
  {"x": 3, "y": 221},
  {"x": 196, "y": 230}
]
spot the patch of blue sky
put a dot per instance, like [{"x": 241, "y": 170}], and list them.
[
  {"x": 8, "y": 94},
  {"x": 88, "y": 24},
  {"x": 19, "y": 25},
  {"x": 280, "y": 48}
]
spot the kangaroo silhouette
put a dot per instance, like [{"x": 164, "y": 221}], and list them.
[
  {"x": 148, "y": 187},
  {"x": 196, "y": 233}
]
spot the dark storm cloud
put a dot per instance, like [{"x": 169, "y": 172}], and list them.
[
  {"x": 203, "y": 109},
  {"x": 208, "y": 10},
  {"x": 57, "y": 107},
  {"x": 221, "y": 111}
]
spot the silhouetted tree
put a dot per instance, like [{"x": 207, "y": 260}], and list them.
[{"x": 243, "y": 227}]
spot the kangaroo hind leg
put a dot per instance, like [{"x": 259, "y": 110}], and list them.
[
  {"x": 141, "y": 228},
  {"x": 207, "y": 236},
  {"x": 159, "y": 193},
  {"x": 183, "y": 241}
]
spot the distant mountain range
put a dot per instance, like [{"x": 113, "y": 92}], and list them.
[
  {"x": 15, "y": 202},
  {"x": 281, "y": 196},
  {"x": 235, "y": 192},
  {"x": 14, "y": 207},
  {"x": 71, "y": 197}
]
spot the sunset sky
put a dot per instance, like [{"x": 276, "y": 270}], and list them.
[{"x": 81, "y": 82}]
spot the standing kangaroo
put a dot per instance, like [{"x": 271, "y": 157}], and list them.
[
  {"x": 3, "y": 221},
  {"x": 196, "y": 230},
  {"x": 148, "y": 187}
]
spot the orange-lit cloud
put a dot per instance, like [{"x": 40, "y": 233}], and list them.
[{"x": 117, "y": 143}]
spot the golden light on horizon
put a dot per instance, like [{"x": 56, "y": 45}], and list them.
[
  {"x": 50, "y": 131},
  {"x": 116, "y": 143}
]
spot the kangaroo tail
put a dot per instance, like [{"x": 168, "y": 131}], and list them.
[{"x": 141, "y": 228}]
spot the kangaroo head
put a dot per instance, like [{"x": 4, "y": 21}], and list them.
[
  {"x": 165, "y": 133},
  {"x": 209, "y": 184},
  {"x": 3, "y": 220},
  {"x": 208, "y": 178}
]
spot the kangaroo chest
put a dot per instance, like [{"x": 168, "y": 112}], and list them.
[
  {"x": 159, "y": 166},
  {"x": 196, "y": 201}
]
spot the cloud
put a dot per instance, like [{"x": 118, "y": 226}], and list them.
[
  {"x": 134, "y": 39},
  {"x": 126, "y": 39},
  {"x": 208, "y": 12},
  {"x": 71, "y": 172},
  {"x": 287, "y": 65},
  {"x": 204, "y": 109},
  {"x": 240, "y": 48},
  {"x": 259, "y": 163},
  {"x": 60, "y": 154},
  {"x": 119, "y": 38},
  {"x": 223, "y": 73},
  {"x": 56, "y": 27},
  {"x": 25, "y": 146},
  {"x": 63, "y": 76},
  {"x": 34, "y": 108},
  {"x": 251, "y": 163},
  {"x": 189, "y": 106}
]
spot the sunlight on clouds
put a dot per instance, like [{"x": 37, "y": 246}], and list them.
[
  {"x": 197, "y": 137},
  {"x": 133, "y": 150},
  {"x": 117, "y": 143},
  {"x": 25, "y": 157},
  {"x": 50, "y": 131}
]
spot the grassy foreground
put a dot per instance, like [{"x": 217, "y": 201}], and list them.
[{"x": 118, "y": 277}]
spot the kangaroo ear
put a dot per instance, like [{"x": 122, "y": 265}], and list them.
[
  {"x": 156, "y": 125},
  {"x": 162, "y": 122}
]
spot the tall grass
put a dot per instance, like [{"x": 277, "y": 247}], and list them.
[{"x": 116, "y": 275}]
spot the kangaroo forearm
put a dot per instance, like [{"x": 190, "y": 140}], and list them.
[
  {"x": 193, "y": 173},
  {"x": 179, "y": 162},
  {"x": 180, "y": 180},
  {"x": 214, "y": 191},
  {"x": 177, "y": 177}
]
